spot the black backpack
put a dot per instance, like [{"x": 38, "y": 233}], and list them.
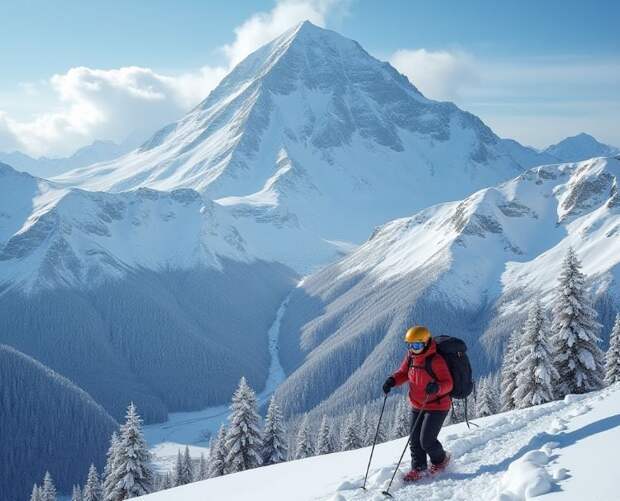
[{"x": 454, "y": 352}]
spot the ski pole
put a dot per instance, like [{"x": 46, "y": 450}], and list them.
[
  {"x": 386, "y": 492},
  {"x": 374, "y": 441}
]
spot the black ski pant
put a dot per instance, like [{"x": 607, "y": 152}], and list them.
[{"x": 424, "y": 438}]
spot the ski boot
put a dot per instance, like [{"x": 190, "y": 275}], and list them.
[
  {"x": 415, "y": 475},
  {"x": 438, "y": 468}
]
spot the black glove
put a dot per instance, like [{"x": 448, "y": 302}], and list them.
[
  {"x": 432, "y": 388},
  {"x": 389, "y": 384}
]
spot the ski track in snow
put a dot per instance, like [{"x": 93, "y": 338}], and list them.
[
  {"x": 193, "y": 428},
  {"x": 521, "y": 444}
]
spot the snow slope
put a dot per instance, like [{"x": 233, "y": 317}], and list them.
[
  {"x": 468, "y": 268},
  {"x": 561, "y": 450},
  {"x": 580, "y": 147},
  {"x": 310, "y": 143}
]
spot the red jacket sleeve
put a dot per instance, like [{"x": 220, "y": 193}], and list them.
[
  {"x": 444, "y": 378},
  {"x": 402, "y": 374}
]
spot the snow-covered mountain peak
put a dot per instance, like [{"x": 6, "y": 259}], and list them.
[
  {"x": 579, "y": 147},
  {"x": 311, "y": 139}
]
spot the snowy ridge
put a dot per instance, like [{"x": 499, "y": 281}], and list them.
[
  {"x": 311, "y": 141},
  {"x": 554, "y": 449},
  {"x": 51, "y": 235},
  {"x": 469, "y": 268}
]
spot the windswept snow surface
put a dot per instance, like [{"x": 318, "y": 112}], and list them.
[
  {"x": 195, "y": 428},
  {"x": 562, "y": 450}
]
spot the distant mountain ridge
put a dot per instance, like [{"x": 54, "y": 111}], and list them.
[
  {"x": 580, "y": 147},
  {"x": 98, "y": 151}
]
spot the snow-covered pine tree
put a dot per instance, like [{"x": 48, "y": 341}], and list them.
[
  {"x": 217, "y": 454},
  {"x": 132, "y": 475},
  {"x": 243, "y": 440},
  {"x": 509, "y": 373},
  {"x": 484, "y": 403},
  {"x": 108, "y": 479},
  {"x": 350, "y": 433},
  {"x": 76, "y": 493},
  {"x": 203, "y": 471},
  {"x": 36, "y": 493},
  {"x": 183, "y": 470},
  {"x": 364, "y": 436},
  {"x": 92, "y": 489},
  {"x": 612, "y": 358},
  {"x": 274, "y": 436},
  {"x": 323, "y": 444},
  {"x": 48, "y": 489},
  {"x": 303, "y": 446},
  {"x": 372, "y": 429},
  {"x": 575, "y": 342},
  {"x": 402, "y": 419},
  {"x": 165, "y": 482},
  {"x": 178, "y": 470},
  {"x": 535, "y": 369}
]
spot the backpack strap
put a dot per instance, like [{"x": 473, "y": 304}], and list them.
[{"x": 428, "y": 365}]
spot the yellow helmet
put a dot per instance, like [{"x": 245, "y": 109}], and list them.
[{"x": 417, "y": 333}]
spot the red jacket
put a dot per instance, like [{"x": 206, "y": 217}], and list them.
[{"x": 418, "y": 378}]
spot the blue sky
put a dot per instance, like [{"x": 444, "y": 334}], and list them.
[{"x": 535, "y": 71}]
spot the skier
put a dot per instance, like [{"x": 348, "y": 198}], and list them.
[{"x": 430, "y": 384}]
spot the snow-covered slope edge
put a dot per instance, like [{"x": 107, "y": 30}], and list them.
[
  {"x": 468, "y": 268},
  {"x": 141, "y": 296},
  {"x": 557, "y": 448},
  {"x": 310, "y": 142}
]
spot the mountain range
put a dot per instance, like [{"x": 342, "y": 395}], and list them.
[{"x": 310, "y": 143}]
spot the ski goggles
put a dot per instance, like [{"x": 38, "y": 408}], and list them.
[{"x": 417, "y": 346}]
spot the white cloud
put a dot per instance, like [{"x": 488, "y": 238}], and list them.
[
  {"x": 89, "y": 104},
  {"x": 265, "y": 26},
  {"x": 108, "y": 104},
  {"x": 438, "y": 75}
]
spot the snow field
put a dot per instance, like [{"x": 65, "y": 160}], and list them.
[{"x": 512, "y": 456}]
